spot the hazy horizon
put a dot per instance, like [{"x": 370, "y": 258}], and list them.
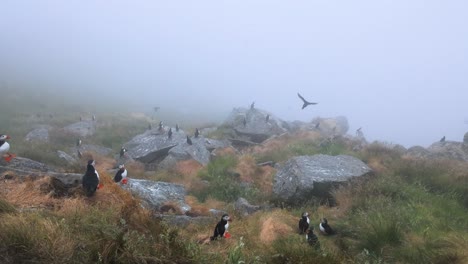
[{"x": 395, "y": 68}]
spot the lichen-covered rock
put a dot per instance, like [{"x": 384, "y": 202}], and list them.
[
  {"x": 252, "y": 124},
  {"x": 82, "y": 128},
  {"x": 301, "y": 177},
  {"x": 245, "y": 208},
  {"x": 157, "y": 194},
  {"x": 153, "y": 145},
  {"x": 38, "y": 134},
  {"x": 68, "y": 158}
]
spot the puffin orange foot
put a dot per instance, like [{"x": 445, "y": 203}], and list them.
[{"x": 9, "y": 157}]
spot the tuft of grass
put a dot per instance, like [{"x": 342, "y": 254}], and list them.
[{"x": 6, "y": 207}]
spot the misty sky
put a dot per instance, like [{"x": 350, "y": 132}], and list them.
[{"x": 397, "y": 68}]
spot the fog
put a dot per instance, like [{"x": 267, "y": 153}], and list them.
[{"x": 398, "y": 69}]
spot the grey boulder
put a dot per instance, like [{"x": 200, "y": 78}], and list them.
[
  {"x": 302, "y": 177},
  {"x": 156, "y": 194}
]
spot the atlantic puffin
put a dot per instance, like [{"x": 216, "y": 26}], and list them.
[
  {"x": 304, "y": 223},
  {"x": 122, "y": 151},
  {"x": 267, "y": 118},
  {"x": 94, "y": 118},
  {"x": 325, "y": 228},
  {"x": 306, "y": 103},
  {"x": 442, "y": 139},
  {"x": 197, "y": 132},
  {"x": 78, "y": 142},
  {"x": 244, "y": 122},
  {"x": 221, "y": 227},
  {"x": 169, "y": 133},
  {"x": 160, "y": 126},
  {"x": 312, "y": 238},
  {"x": 90, "y": 179},
  {"x": 177, "y": 127},
  {"x": 5, "y": 147},
  {"x": 189, "y": 141},
  {"x": 121, "y": 175},
  {"x": 252, "y": 105}
]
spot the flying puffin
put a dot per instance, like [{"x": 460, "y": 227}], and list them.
[
  {"x": 304, "y": 223},
  {"x": 306, "y": 103},
  {"x": 90, "y": 179},
  {"x": 312, "y": 238},
  {"x": 122, "y": 151},
  {"x": 325, "y": 228},
  {"x": 197, "y": 132},
  {"x": 169, "y": 133},
  {"x": 189, "y": 141},
  {"x": 5, "y": 147},
  {"x": 121, "y": 175},
  {"x": 221, "y": 227}
]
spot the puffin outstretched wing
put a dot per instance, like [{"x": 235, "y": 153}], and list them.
[{"x": 306, "y": 103}]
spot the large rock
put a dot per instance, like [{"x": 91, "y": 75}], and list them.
[
  {"x": 153, "y": 145},
  {"x": 82, "y": 128},
  {"x": 157, "y": 194},
  {"x": 256, "y": 128},
  {"x": 38, "y": 134},
  {"x": 68, "y": 158},
  {"x": 92, "y": 148},
  {"x": 245, "y": 208},
  {"x": 24, "y": 167},
  {"x": 301, "y": 177},
  {"x": 447, "y": 150},
  {"x": 332, "y": 126},
  {"x": 440, "y": 150}
]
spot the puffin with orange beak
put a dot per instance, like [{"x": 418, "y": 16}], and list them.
[
  {"x": 5, "y": 147},
  {"x": 222, "y": 227}
]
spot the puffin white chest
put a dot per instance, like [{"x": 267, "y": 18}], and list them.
[
  {"x": 322, "y": 228},
  {"x": 308, "y": 221},
  {"x": 5, "y": 147},
  {"x": 124, "y": 174},
  {"x": 97, "y": 174},
  {"x": 226, "y": 226}
]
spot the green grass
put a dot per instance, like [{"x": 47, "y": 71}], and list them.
[{"x": 223, "y": 183}]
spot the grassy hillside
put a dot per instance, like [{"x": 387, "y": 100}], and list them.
[{"x": 408, "y": 211}]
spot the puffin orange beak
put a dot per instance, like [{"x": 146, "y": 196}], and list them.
[{"x": 7, "y": 137}]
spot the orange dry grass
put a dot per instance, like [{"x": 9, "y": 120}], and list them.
[
  {"x": 284, "y": 140},
  {"x": 273, "y": 229},
  {"x": 198, "y": 209},
  {"x": 228, "y": 151},
  {"x": 186, "y": 174},
  {"x": 261, "y": 177},
  {"x": 27, "y": 194},
  {"x": 247, "y": 168}
]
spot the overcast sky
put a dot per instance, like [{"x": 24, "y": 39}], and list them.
[{"x": 396, "y": 68}]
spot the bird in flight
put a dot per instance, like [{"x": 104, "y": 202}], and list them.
[{"x": 306, "y": 103}]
